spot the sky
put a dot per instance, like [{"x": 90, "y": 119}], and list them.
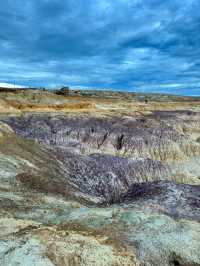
[{"x": 131, "y": 45}]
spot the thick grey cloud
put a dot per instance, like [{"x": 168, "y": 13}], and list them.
[{"x": 143, "y": 45}]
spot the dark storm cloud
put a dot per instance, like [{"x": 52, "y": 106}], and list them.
[{"x": 147, "y": 45}]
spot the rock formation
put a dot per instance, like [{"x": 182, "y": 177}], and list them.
[{"x": 99, "y": 188}]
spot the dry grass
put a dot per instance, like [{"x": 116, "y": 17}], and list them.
[{"x": 38, "y": 106}]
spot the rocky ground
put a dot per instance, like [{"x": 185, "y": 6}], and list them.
[{"x": 99, "y": 178}]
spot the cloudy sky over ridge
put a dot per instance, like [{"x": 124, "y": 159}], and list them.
[{"x": 144, "y": 45}]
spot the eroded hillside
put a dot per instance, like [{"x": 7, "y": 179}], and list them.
[{"x": 99, "y": 179}]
